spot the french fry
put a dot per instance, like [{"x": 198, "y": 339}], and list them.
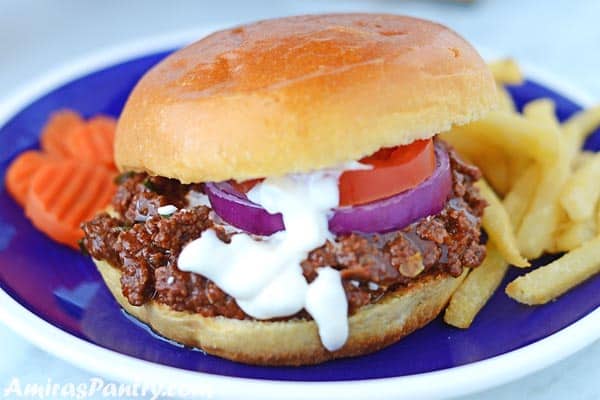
[
  {"x": 518, "y": 199},
  {"x": 561, "y": 227},
  {"x": 517, "y": 167},
  {"x": 582, "y": 158},
  {"x": 551, "y": 198},
  {"x": 543, "y": 111},
  {"x": 514, "y": 134},
  {"x": 578, "y": 127},
  {"x": 581, "y": 192},
  {"x": 498, "y": 227},
  {"x": 514, "y": 165},
  {"x": 574, "y": 234},
  {"x": 549, "y": 282},
  {"x": 540, "y": 223},
  {"x": 465, "y": 145},
  {"x": 541, "y": 220},
  {"x": 494, "y": 169},
  {"x": 492, "y": 162},
  {"x": 505, "y": 101},
  {"x": 506, "y": 71},
  {"x": 476, "y": 290}
]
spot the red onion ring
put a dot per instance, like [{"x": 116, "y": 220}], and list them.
[
  {"x": 393, "y": 213},
  {"x": 235, "y": 208},
  {"x": 401, "y": 210}
]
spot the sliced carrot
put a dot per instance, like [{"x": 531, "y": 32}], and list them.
[
  {"x": 57, "y": 130},
  {"x": 65, "y": 193},
  {"x": 70, "y": 180},
  {"x": 94, "y": 141},
  {"x": 20, "y": 172}
]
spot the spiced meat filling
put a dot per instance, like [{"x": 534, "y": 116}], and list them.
[{"x": 146, "y": 245}]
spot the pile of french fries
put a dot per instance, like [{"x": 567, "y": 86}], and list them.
[{"x": 543, "y": 193}]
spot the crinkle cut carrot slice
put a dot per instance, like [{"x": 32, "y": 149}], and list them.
[
  {"x": 57, "y": 130},
  {"x": 93, "y": 141},
  {"x": 21, "y": 171},
  {"x": 65, "y": 193}
]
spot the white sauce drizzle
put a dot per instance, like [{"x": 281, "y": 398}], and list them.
[
  {"x": 196, "y": 199},
  {"x": 326, "y": 303},
  {"x": 169, "y": 209},
  {"x": 265, "y": 276}
]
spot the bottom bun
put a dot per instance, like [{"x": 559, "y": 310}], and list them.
[{"x": 295, "y": 341}]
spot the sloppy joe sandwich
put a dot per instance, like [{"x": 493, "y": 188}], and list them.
[{"x": 284, "y": 199}]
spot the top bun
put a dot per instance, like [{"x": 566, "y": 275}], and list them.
[{"x": 298, "y": 94}]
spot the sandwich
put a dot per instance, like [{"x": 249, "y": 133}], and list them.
[{"x": 284, "y": 199}]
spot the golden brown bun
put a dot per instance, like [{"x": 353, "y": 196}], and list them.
[
  {"x": 298, "y": 94},
  {"x": 294, "y": 342}
]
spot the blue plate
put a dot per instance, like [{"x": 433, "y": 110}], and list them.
[{"x": 63, "y": 288}]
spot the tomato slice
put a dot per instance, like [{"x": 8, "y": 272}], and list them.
[
  {"x": 394, "y": 170},
  {"x": 245, "y": 186}
]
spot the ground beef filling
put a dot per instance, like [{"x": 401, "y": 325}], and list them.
[{"x": 145, "y": 246}]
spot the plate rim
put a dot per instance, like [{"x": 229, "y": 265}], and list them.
[{"x": 450, "y": 382}]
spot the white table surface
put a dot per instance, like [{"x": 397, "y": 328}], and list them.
[{"x": 562, "y": 36}]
